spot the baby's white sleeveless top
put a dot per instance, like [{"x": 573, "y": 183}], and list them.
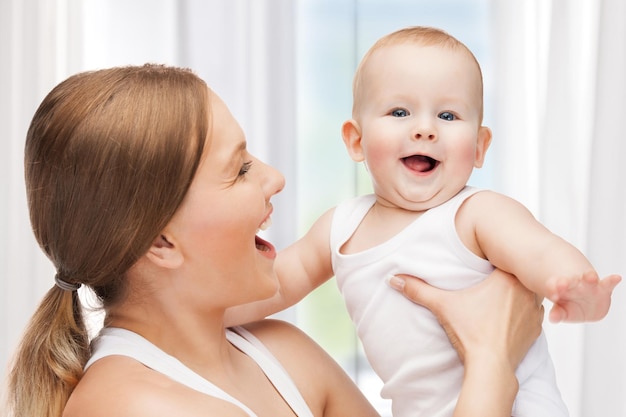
[{"x": 403, "y": 341}]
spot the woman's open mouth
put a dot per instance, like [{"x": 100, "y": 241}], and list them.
[{"x": 265, "y": 247}]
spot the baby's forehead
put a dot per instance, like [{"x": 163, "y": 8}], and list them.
[
  {"x": 394, "y": 63},
  {"x": 395, "y": 53}
]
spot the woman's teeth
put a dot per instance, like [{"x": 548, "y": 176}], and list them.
[{"x": 266, "y": 224}]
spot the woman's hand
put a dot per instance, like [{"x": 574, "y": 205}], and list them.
[
  {"x": 498, "y": 314},
  {"x": 491, "y": 325}
]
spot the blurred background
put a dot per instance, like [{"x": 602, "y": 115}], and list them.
[{"x": 555, "y": 93}]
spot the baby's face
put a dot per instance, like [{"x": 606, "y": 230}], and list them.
[{"x": 419, "y": 114}]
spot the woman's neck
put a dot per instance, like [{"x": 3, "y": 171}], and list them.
[{"x": 196, "y": 338}]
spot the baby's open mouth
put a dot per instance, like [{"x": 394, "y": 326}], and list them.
[{"x": 420, "y": 163}]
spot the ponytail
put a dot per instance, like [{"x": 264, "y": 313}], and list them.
[{"x": 50, "y": 358}]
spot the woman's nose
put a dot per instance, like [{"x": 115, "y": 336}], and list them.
[{"x": 274, "y": 181}]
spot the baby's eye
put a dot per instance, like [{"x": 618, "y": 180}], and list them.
[
  {"x": 399, "y": 113},
  {"x": 245, "y": 168},
  {"x": 446, "y": 115}
]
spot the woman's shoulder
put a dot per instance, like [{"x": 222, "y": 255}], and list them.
[
  {"x": 327, "y": 389},
  {"x": 284, "y": 340},
  {"x": 303, "y": 359},
  {"x": 121, "y": 386},
  {"x": 275, "y": 333}
]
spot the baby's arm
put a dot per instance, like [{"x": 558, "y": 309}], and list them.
[
  {"x": 300, "y": 268},
  {"x": 505, "y": 232}
]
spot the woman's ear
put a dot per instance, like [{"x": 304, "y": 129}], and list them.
[
  {"x": 351, "y": 134},
  {"x": 165, "y": 253},
  {"x": 482, "y": 144}
]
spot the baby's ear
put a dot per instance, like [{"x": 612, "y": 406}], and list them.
[
  {"x": 165, "y": 253},
  {"x": 482, "y": 144},
  {"x": 351, "y": 134}
]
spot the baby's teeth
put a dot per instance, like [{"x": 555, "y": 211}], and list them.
[{"x": 266, "y": 224}]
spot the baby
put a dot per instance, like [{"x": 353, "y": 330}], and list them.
[{"x": 417, "y": 126}]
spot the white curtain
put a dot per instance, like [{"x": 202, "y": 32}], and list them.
[
  {"x": 561, "y": 93},
  {"x": 238, "y": 46},
  {"x": 29, "y": 66},
  {"x": 605, "y": 344}
]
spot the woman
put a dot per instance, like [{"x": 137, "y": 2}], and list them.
[{"x": 140, "y": 187}]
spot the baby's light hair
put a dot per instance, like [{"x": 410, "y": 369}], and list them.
[{"x": 418, "y": 35}]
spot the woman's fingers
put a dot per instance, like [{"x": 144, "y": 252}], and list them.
[
  {"x": 498, "y": 314},
  {"x": 415, "y": 290}
]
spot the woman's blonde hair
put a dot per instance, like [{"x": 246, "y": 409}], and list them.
[{"x": 109, "y": 157}]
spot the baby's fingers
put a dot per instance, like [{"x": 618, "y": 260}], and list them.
[
  {"x": 591, "y": 277},
  {"x": 557, "y": 314},
  {"x": 611, "y": 282},
  {"x": 558, "y": 286}
]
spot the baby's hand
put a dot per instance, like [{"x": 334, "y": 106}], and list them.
[{"x": 583, "y": 298}]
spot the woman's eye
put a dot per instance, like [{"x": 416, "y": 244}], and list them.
[
  {"x": 245, "y": 168},
  {"x": 446, "y": 115},
  {"x": 399, "y": 113}
]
